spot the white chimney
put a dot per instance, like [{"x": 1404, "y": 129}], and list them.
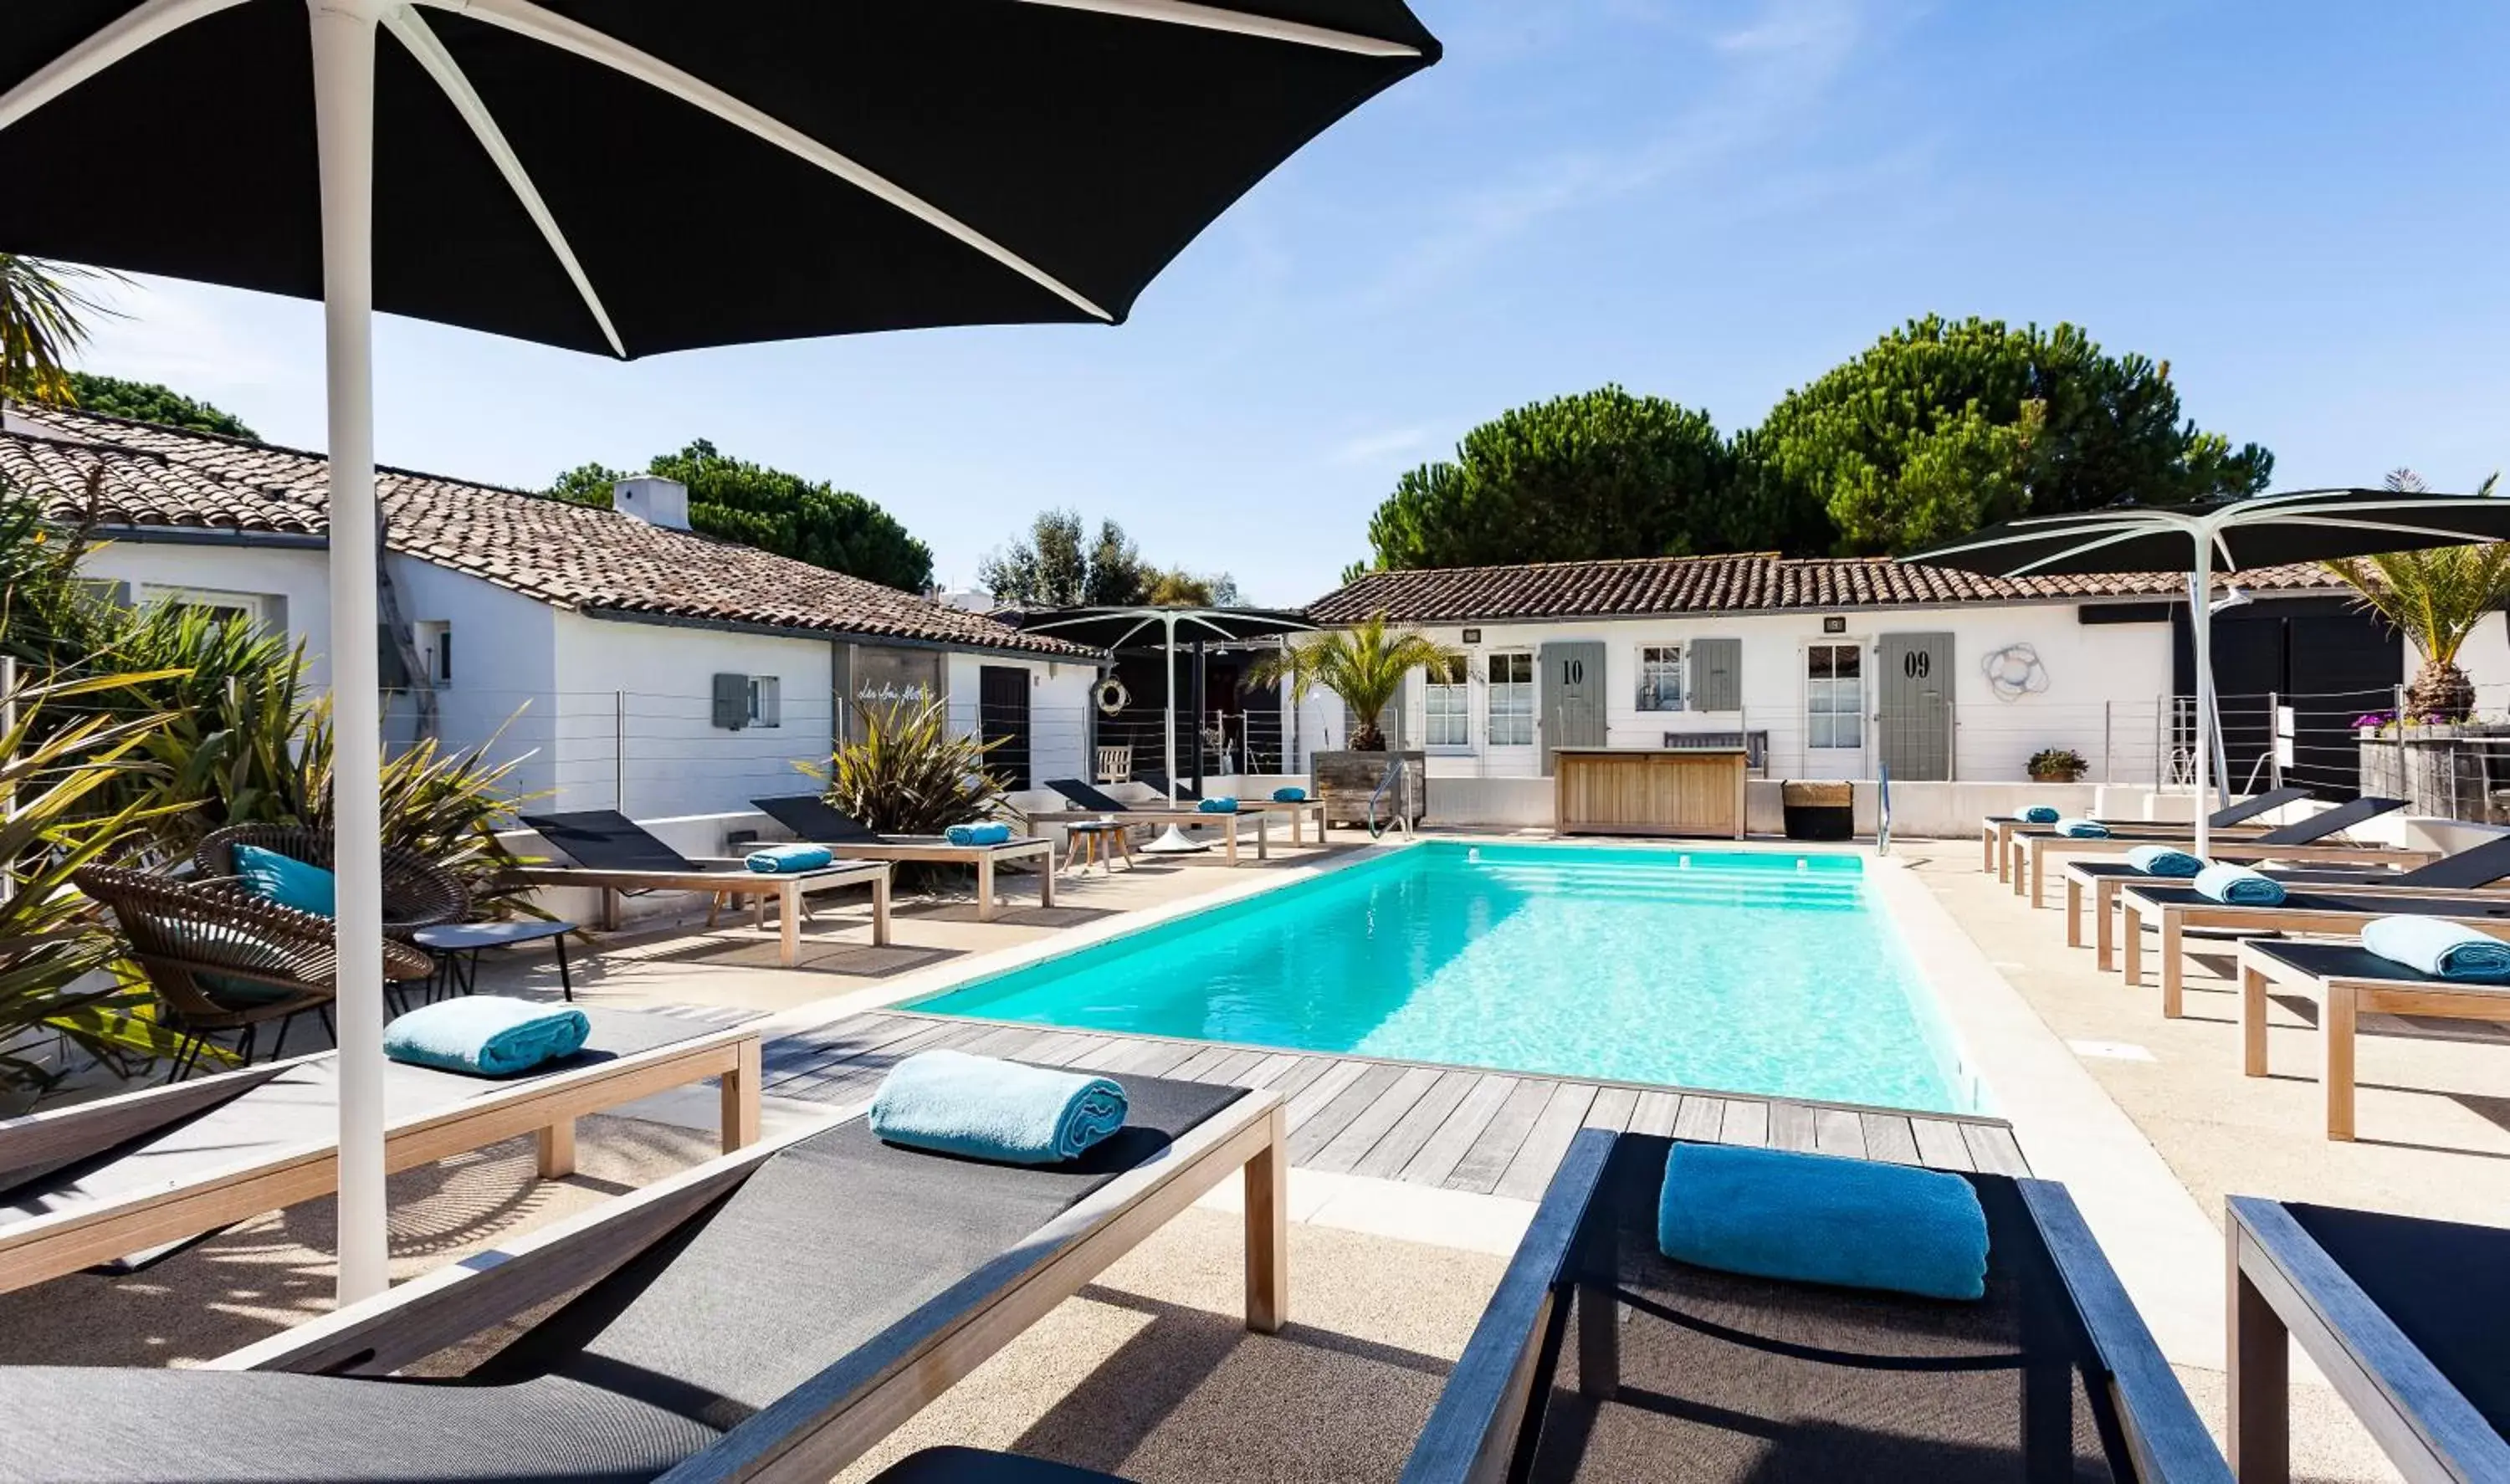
[{"x": 652, "y": 499}]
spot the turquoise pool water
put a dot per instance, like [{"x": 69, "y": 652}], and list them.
[{"x": 1732, "y": 971}]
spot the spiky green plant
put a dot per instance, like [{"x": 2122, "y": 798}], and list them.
[
  {"x": 2437, "y": 598},
  {"x": 1364, "y": 665},
  {"x": 907, "y": 772},
  {"x": 43, "y": 320}
]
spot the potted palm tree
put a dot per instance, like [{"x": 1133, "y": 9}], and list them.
[
  {"x": 1364, "y": 666},
  {"x": 2435, "y": 599}
]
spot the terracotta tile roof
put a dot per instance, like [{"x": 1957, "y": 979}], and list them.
[
  {"x": 570, "y": 555},
  {"x": 1745, "y": 583}
]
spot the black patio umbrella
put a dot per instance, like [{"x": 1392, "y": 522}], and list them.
[
  {"x": 2206, "y": 536},
  {"x": 631, "y": 177}
]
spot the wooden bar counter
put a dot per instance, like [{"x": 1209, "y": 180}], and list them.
[{"x": 1648, "y": 791}]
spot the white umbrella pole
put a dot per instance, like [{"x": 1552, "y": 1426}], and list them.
[
  {"x": 344, "y": 107},
  {"x": 2200, "y": 627},
  {"x": 1170, "y": 690}
]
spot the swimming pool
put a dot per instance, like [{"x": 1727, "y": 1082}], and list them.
[{"x": 1740, "y": 972}]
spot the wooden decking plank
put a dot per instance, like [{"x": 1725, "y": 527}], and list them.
[
  {"x": 1993, "y": 1150},
  {"x": 1414, "y": 1129},
  {"x": 1447, "y": 1146},
  {"x": 1009, "y": 1041},
  {"x": 1357, "y": 1137},
  {"x": 1837, "y": 1131},
  {"x": 848, "y": 1042},
  {"x": 1790, "y": 1126},
  {"x": 1301, "y": 1076},
  {"x": 1158, "y": 1058},
  {"x": 1195, "y": 1067},
  {"x": 1887, "y": 1138},
  {"x": 1059, "y": 1049},
  {"x": 1233, "y": 1070},
  {"x": 1612, "y": 1107},
  {"x": 1700, "y": 1118},
  {"x": 1100, "y": 1058},
  {"x": 1746, "y": 1121},
  {"x": 1940, "y": 1144},
  {"x": 1264, "y": 1072},
  {"x": 1492, "y": 1154},
  {"x": 1312, "y": 1099},
  {"x": 1529, "y": 1174},
  {"x": 812, "y": 1083},
  {"x": 1310, "y": 1134},
  {"x": 1655, "y": 1112}
]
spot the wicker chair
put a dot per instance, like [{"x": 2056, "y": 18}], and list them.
[
  {"x": 417, "y": 892},
  {"x": 225, "y": 959}
]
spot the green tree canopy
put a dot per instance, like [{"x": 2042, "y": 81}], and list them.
[
  {"x": 146, "y": 401},
  {"x": 1059, "y": 565},
  {"x": 1601, "y": 473},
  {"x": 806, "y": 519}
]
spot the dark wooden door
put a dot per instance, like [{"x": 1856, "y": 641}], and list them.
[{"x": 1002, "y": 711}]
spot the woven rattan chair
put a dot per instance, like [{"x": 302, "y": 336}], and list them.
[
  {"x": 417, "y": 892},
  {"x": 224, "y": 960}
]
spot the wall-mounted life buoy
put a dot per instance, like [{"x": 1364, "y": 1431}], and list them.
[{"x": 1113, "y": 697}]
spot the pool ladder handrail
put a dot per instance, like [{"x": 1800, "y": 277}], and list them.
[{"x": 1375, "y": 829}]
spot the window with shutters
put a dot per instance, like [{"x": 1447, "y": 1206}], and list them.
[
  {"x": 766, "y": 699},
  {"x": 1660, "y": 678},
  {"x": 1511, "y": 699}
]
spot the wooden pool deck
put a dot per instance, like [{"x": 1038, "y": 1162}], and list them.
[{"x": 1457, "y": 1127}]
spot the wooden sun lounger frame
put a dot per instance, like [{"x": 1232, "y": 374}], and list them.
[
  {"x": 2285, "y": 1287},
  {"x": 2105, "y": 889},
  {"x": 816, "y": 1430},
  {"x": 2343, "y": 999},
  {"x": 1154, "y": 814},
  {"x": 2178, "y": 917},
  {"x": 1996, "y": 837},
  {"x": 2033, "y": 852},
  {"x": 545, "y": 1106},
  {"x": 1475, "y": 1433},
  {"x": 984, "y": 858},
  {"x": 787, "y": 892}
]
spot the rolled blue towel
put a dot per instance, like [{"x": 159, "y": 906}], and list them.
[
  {"x": 785, "y": 859},
  {"x": 994, "y": 832},
  {"x": 988, "y": 1109},
  {"x": 1823, "y": 1219},
  {"x": 2446, "y": 950},
  {"x": 2082, "y": 829},
  {"x": 2237, "y": 885},
  {"x": 2162, "y": 861},
  {"x": 2041, "y": 813},
  {"x": 1226, "y": 804},
  {"x": 1289, "y": 795},
  {"x": 486, "y": 1035}
]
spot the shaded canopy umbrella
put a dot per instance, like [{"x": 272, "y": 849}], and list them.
[
  {"x": 1127, "y": 628},
  {"x": 2206, "y": 536},
  {"x": 630, "y": 177}
]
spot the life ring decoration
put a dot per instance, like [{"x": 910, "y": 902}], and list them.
[
  {"x": 2014, "y": 672},
  {"x": 1113, "y": 697}
]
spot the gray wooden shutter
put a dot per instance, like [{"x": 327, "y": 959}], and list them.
[
  {"x": 732, "y": 702},
  {"x": 1717, "y": 675}
]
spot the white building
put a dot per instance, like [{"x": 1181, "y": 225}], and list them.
[
  {"x": 625, "y": 659},
  {"x": 1828, "y": 669}
]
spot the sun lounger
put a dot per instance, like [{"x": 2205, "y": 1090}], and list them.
[
  {"x": 2477, "y": 868},
  {"x": 1995, "y": 832},
  {"x": 614, "y": 854},
  {"x": 2348, "y": 980},
  {"x": 2329, "y": 912},
  {"x": 815, "y": 819},
  {"x": 2403, "y": 1316},
  {"x": 1677, "y": 1373},
  {"x": 767, "y": 1315},
  {"x": 123, "y": 1179},
  {"x": 1299, "y": 809},
  {"x": 1095, "y": 805},
  {"x": 2301, "y": 842}
]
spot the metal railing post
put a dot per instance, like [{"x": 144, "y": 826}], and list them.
[
  {"x": 619, "y": 750},
  {"x": 2109, "y": 751},
  {"x": 2274, "y": 738}
]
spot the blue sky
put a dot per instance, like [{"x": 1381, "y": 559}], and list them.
[{"x": 2299, "y": 206}]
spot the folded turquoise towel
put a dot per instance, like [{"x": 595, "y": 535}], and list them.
[
  {"x": 1289, "y": 795},
  {"x": 1226, "y": 804},
  {"x": 487, "y": 1035},
  {"x": 2162, "y": 861},
  {"x": 1823, "y": 1219},
  {"x": 2082, "y": 829},
  {"x": 992, "y": 833},
  {"x": 785, "y": 859},
  {"x": 989, "y": 1109},
  {"x": 2446, "y": 950},
  {"x": 285, "y": 879},
  {"x": 2041, "y": 813},
  {"x": 2237, "y": 885}
]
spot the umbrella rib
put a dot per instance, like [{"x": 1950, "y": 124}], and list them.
[
  {"x": 2015, "y": 534},
  {"x": 2335, "y": 521},
  {"x": 525, "y": 19},
  {"x": 111, "y": 43},
  {"x": 2107, "y": 539},
  {"x": 414, "y": 33},
  {"x": 1210, "y": 18}
]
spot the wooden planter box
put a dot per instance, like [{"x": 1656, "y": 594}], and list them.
[
  {"x": 2448, "y": 772},
  {"x": 1347, "y": 781}
]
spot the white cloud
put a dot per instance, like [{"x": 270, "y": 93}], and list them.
[{"x": 1376, "y": 446}]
